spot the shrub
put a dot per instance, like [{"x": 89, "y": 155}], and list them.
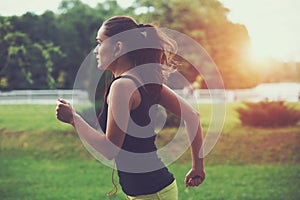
[{"x": 268, "y": 114}]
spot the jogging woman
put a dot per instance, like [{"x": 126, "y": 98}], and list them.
[{"x": 131, "y": 101}]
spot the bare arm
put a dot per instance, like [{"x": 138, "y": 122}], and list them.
[
  {"x": 110, "y": 143},
  {"x": 175, "y": 104}
]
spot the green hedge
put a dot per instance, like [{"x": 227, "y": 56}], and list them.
[{"x": 268, "y": 114}]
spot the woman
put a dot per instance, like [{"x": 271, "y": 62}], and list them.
[{"x": 130, "y": 101}]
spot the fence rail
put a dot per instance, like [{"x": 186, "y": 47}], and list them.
[
  {"x": 195, "y": 96},
  {"x": 42, "y": 96}
]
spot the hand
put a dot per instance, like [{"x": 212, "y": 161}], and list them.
[
  {"x": 64, "y": 112},
  {"x": 194, "y": 177}
]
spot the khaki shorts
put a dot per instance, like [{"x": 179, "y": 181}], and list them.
[{"x": 170, "y": 192}]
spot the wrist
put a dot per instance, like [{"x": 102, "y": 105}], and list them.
[
  {"x": 72, "y": 122},
  {"x": 201, "y": 167},
  {"x": 198, "y": 165}
]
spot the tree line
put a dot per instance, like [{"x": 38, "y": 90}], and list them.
[{"x": 45, "y": 51}]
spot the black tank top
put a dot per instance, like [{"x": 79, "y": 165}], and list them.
[{"x": 139, "y": 174}]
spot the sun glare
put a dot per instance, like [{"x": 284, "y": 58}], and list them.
[
  {"x": 273, "y": 26},
  {"x": 277, "y": 44},
  {"x": 269, "y": 38}
]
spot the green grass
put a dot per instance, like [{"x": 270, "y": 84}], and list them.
[
  {"x": 41, "y": 158},
  {"x": 41, "y": 179},
  {"x": 37, "y": 118}
]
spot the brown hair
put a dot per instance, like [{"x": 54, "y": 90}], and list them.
[{"x": 163, "y": 55}]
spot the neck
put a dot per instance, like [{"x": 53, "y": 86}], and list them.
[
  {"x": 122, "y": 66},
  {"x": 119, "y": 72}
]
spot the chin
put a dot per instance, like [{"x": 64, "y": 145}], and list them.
[{"x": 101, "y": 67}]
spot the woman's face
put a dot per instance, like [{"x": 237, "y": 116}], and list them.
[{"x": 103, "y": 50}]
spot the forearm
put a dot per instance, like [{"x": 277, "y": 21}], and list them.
[
  {"x": 194, "y": 131},
  {"x": 197, "y": 151},
  {"x": 95, "y": 139}
]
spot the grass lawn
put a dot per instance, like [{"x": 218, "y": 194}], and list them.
[
  {"x": 41, "y": 158},
  {"x": 36, "y": 118},
  {"x": 38, "y": 179}
]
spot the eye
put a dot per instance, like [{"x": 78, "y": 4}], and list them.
[{"x": 99, "y": 42}]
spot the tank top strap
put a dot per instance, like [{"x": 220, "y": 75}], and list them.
[
  {"x": 108, "y": 88},
  {"x": 135, "y": 80},
  {"x": 138, "y": 84},
  {"x": 141, "y": 87}
]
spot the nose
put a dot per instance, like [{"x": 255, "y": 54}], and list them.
[{"x": 96, "y": 50}]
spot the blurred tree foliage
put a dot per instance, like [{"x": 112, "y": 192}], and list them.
[
  {"x": 25, "y": 63},
  {"x": 206, "y": 22},
  {"x": 45, "y": 51}
]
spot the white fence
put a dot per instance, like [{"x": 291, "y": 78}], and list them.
[
  {"x": 289, "y": 92},
  {"x": 249, "y": 95},
  {"x": 196, "y": 96},
  {"x": 42, "y": 96}
]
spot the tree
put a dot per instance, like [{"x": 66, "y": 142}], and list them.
[
  {"x": 72, "y": 34},
  {"x": 206, "y": 22},
  {"x": 78, "y": 24},
  {"x": 26, "y": 64},
  {"x": 33, "y": 43}
]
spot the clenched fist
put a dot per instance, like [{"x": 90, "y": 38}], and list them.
[
  {"x": 194, "y": 177},
  {"x": 65, "y": 112}
]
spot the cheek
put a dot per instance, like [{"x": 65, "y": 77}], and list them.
[
  {"x": 106, "y": 56},
  {"x": 101, "y": 52}
]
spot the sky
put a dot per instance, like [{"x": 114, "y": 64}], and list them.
[{"x": 273, "y": 25}]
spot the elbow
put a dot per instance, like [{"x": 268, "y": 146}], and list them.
[
  {"x": 111, "y": 151},
  {"x": 109, "y": 157},
  {"x": 108, "y": 151},
  {"x": 111, "y": 154},
  {"x": 193, "y": 119},
  {"x": 194, "y": 116}
]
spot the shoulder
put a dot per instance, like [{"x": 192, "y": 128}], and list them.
[
  {"x": 125, "y": 90},
  {"x": 121, "y": 91},
  {"x": 122, "y": 84}
]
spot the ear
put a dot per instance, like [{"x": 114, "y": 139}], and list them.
[{"x": 118, "y": 48}]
